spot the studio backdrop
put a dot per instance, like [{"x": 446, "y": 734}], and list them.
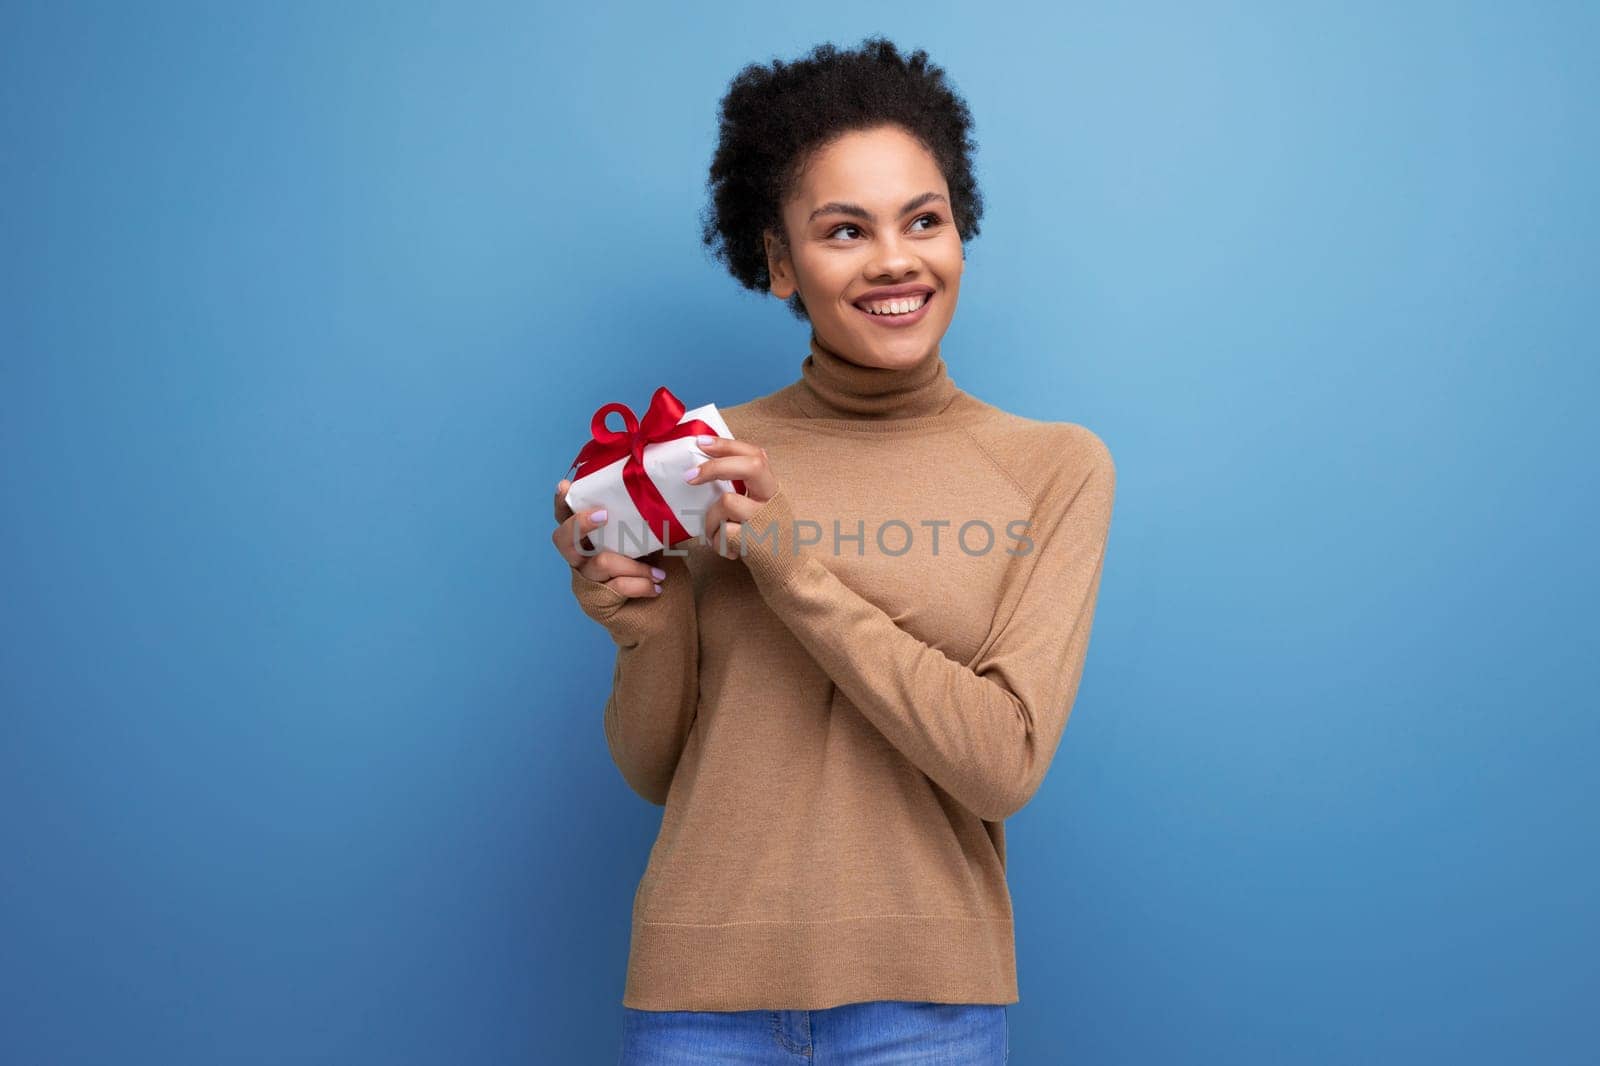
[{"x": 306, "y": 309}]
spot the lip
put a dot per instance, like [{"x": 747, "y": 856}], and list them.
[
  {"x": 901, "y": 321},
  {"x": 894, "y": 292}
]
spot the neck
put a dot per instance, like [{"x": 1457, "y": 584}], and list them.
[{"x": 831, "y": 386}]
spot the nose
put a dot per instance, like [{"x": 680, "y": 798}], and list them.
[{"x": 894, "y": 256}]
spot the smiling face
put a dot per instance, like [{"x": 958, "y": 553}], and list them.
[{"x": 871, "y": 211}]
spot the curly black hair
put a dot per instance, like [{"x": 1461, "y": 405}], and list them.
[{"x": 774, "y": 118}]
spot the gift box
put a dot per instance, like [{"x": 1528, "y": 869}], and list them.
[{"x": 636, "y": 474}]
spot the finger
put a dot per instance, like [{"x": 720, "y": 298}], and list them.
[
  {"x": 725, "y": 447},
  {"x": 737, "y": 508},
  {"x": 712, "y": 519},
  {"x": 747, "y": 468},
  {"x": 563, "y": 510},
  {"x": 631, "y": 577},
  {"x": 571, "y": 536},
  {"x": 722, "y": 521},
  {"x": 754, "y": 470},
  {"x": 634, "y": 587},
  {"x": 729, "y": 446},
  {"x": 733, "y": 466},
  {"x": 728, "y": 544}
]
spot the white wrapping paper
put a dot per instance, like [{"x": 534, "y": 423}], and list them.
[{"x": 625, "y": 530}]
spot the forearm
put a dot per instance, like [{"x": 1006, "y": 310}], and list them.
[
  {"x": 655, "y": 677},
  {"x": 986, "y": 734}
]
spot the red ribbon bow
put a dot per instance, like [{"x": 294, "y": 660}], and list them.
[{"x": 608, "y": 445}]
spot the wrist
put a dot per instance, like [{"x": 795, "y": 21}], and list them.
[{"x": 767, "y": 543}]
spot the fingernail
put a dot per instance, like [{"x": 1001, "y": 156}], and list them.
[
  {"x": 691, "y": 473},
  {"x": 703, "y": 440},
  {"x": 658, "y": 590},
  {"x": 658, "y": 573},
  {"x": 599, "y": 516}
]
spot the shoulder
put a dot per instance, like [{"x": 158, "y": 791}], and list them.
[
  {"x": 1044, "y": 457},
  {"x": 743, "y": 418}
]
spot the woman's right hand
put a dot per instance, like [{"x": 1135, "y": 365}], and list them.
[{"x": 630, "y": 577}]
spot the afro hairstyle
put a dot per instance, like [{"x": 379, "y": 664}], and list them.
[{"x": 775, "y": 117}]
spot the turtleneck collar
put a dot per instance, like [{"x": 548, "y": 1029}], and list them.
[{"x": 831, "y": 386}]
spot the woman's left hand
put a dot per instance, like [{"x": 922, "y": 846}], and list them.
[{"x": 734, "y": 460}]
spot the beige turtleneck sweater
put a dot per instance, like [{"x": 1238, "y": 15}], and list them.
[{"x": 838, "y": 733}]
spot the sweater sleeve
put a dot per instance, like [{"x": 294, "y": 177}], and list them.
[
  {"x": 655, "y": 679},
  {"x": 985, "y": 734}
]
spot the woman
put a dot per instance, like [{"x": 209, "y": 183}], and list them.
[{"x": 865, "y": 664}]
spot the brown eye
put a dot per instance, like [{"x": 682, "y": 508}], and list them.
[{"x": 930, "y": 217}]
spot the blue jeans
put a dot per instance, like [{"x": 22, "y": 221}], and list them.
[{"x": 882, "y": 1032}]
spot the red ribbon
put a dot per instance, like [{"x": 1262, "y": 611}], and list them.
[{"x": 660, "y": 424}]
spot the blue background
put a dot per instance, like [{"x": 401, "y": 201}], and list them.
[{"x": 306, "y": 308}]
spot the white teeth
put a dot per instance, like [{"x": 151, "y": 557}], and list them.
[{"x": 897, "y": 307}]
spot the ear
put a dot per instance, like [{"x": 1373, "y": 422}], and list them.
[{"x": 779, "y": 267}]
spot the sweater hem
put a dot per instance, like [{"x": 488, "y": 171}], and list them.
[{"x": 815, "y": 965}]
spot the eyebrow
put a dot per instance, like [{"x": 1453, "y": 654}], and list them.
[{"x": 856, "y": 210}]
